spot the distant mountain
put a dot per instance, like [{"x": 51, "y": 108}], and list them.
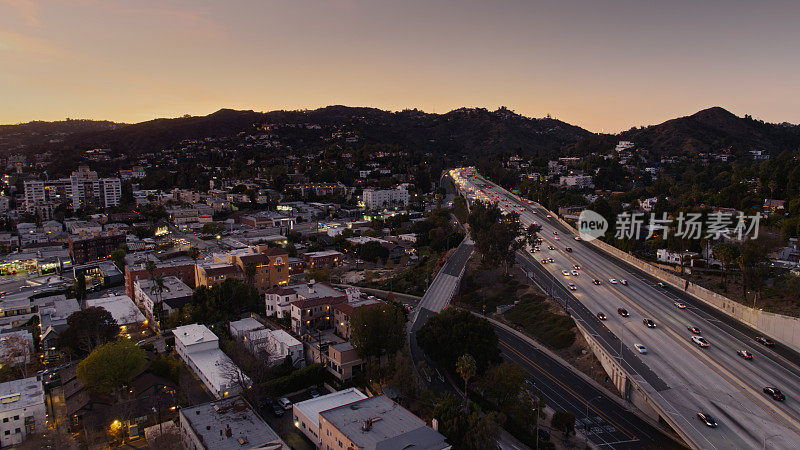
[
  {"x": 471, "y": 132},
  {"x": 714, "y": 129},
  {"x": 24, "y": 135},
  {"x": 463, "y": 131}
]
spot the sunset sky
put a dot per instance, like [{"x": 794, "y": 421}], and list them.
[{"x": 605, "y": 65}]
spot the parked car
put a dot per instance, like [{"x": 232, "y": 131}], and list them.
[
  {"x": 275, "y": 408},
  {"x": 285, "y": 403}
]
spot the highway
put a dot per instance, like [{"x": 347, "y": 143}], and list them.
[
  {"x": 679, "y": 376},
  {"x": 609, "y": 424}
]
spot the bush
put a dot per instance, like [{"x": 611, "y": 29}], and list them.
[
  {"x": 535, "y": 316},
  {"x": 300, "y": 379},
  {"x": 166, "y": 367}
]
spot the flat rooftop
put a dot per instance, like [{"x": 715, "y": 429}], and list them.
[
  {"x": 210, "y": 421},
  {"x": 246, "y": 324},
  {"x": 121, "y": 308},
  {"x": 173, "y": 288},
  {"x": 392, "y": 427},
  {"x": 315, "y": 290},
  {"x": 22, "y": 393},
  {"x": 194, "y": 334},
  {"x": 312, "y": 407}
]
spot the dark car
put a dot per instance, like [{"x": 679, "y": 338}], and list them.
[
  {"x": 275, "y": 408},
  {"x": 695, "y": 330},
  {"x": 596, "y": 282},
  {"x": 568, "y": 249},
  {"x": 744, "y": 354},
  {"x": 649, "y": 323},
  {"x": 707, "y": 419},
  {"x": 622, "y": 312},
  {"x": 775, "y": 393},
  {"x": 766, "y": 341},
  {"x": 601, "y": 316}
]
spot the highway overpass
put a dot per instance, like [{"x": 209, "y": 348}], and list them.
[{"x": 676, "y": 379}]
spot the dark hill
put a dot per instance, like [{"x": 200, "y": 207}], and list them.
[{"x": 714, "y": 129}]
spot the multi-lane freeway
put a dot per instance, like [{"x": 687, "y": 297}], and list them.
[{"x": 679, "y": 376}]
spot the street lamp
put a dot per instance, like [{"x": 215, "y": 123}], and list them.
[{"x": 586, "y": 425}]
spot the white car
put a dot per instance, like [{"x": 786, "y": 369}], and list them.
[
  {"x": 572, "y": 287},
  {"x": 624, "y": 282},
  {"x": 640, "y": 348},
  {"x": 565, "y": 273},
  {"x": 612, "y": 280},
  {"x": 680, "y": 305},
  {"x": 701, "y": 341},
  {"x": 574, "y": 273},
  {"x": 285, "y": 403}
]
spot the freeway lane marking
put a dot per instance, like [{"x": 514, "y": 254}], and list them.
[
  {"x": 741, "y": 385},
  {"x": 566, "y": 388}
]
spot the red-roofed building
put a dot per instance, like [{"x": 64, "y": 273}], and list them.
[
  {"x": 343, "y": 311},
  {"x": 315, "y": 313}
]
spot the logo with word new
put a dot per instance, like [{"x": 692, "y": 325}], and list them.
[{"x": 591, "y": 225}]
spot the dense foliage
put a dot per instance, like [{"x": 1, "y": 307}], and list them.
[
  {"x": 535, "y": 315},
  {"x": 377, "y": 330},
  {"x": 88, "y": 329},
  {"x": 452, "y": 333},
  {"x": 111, "y": 366}
]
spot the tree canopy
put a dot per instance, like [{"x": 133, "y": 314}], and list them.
[
  {"x": 88, "y": 329},
  {"x": 111, "y": 366},
  {"x": 452, "y": 333},
  {"x": 467, "y": 431},
  {"x": 378, "y": 329},
  {"x": 496, "y": 235}
]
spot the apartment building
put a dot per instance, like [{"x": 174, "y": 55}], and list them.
[
  {"x": 22, "y": 410},
  {"x": 381, "y": 198},
  {"x": 376, "y": 423},
  {"x": 199, "y": 349},
  {"x": 92, "y": 247},
  {"x": 270, "y": 264},
  {"x": 228, "y": 424},
  {"x": 184, "y": 271},
  {"x": 305, "y": 414},
  {"x": 83, "y": 188}
]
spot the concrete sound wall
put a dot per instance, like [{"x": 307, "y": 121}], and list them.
[{"x": 782, "y": 328}]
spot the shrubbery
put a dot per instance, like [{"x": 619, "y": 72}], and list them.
[
  {"x": 311, "y": 375},
  {"x": 534, "y": 315}
]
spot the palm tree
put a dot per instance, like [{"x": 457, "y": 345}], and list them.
[
  {"x": 158, "y": 308},
  {"x": 466, "y": 367}
]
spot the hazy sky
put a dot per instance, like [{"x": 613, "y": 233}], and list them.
[{"x": 605, "y": 65}]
